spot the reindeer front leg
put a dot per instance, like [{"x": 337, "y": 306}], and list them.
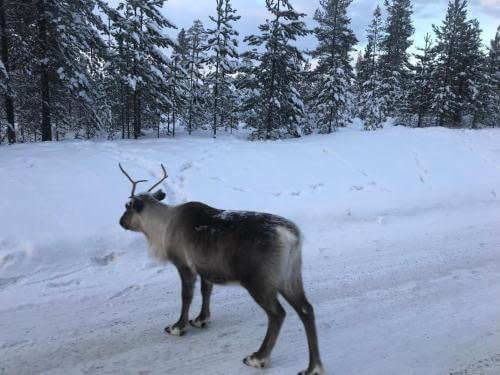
[
  {"x": 188, "y": 279},
  {"x": 202, "y": 319}
]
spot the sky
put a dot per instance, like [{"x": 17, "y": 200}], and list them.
[{"x": 253, "y": 12}]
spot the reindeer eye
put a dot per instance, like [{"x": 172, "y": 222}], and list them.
[{"x": 127, "y": 206}]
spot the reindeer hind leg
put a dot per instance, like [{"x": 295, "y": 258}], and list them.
[
  {"x": 267, "y": 299},
  {"x": 297, "y": 299}
]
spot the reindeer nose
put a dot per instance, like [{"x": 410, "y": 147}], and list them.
[{"x": 122, "y": 223}]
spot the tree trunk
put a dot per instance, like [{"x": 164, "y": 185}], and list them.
[
  {"x": 168, "y": 121},
  {"x": 122, "y": 116},
  {"x": 216, "y": 95},
  {"x": 9, "y": 100},
  {"x": 192, "y": 87},
  {"x": 136, "y": 114},
  {"x": 127, "y": 115},
  {"x": 216, "y": 86},
  {"x": 419, "y": 123},
  {"x": 44, "y": 73},
  {"x": 173, "y": 117}
]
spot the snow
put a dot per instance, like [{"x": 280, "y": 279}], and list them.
[{"x": 401, "y": 253}]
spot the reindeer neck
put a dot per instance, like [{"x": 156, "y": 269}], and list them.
[{"x": 155, "y": 224}]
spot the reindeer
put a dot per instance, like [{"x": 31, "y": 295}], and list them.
[{"x": 259, "y": 251}]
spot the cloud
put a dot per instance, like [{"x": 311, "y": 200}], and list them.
[
  {"x": 490, "y": 3},
  {"x": 253, "y": 13}
]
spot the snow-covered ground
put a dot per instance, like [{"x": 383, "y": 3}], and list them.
[{"x": 401, "y": 258}]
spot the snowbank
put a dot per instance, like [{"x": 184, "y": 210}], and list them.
[{"x": 400, "y": 236}]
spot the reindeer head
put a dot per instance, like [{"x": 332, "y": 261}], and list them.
[{"x": 138, "y": 204}]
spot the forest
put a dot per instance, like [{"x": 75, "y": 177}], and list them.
[{"x": 84, "y": 69}]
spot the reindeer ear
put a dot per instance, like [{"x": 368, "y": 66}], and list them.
[
  {"x": 138, "y": 205},
  {"x": 159, "y": 195}
]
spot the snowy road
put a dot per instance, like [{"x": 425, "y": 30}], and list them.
[
  {"x": 424, "y": 301},
  {"x": 403, "y": 281}
]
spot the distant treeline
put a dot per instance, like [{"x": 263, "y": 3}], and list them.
[{"x": 80, "y": 68}]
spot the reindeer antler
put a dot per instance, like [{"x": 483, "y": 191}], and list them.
[
  {"x": 159, "y": 182},
  {"x": 134, "y": 183}
]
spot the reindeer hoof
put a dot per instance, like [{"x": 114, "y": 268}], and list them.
[
  {"x": 254, "y": 361},
  {"x": 175, "y": 331},
  {"x": 199, "y": 323},
  {"x": 316, "y": 370}
]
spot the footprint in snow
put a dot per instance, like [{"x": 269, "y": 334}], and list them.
[
  {"x": 6, "y": 259},
  {"x": 104, "y": 260},
  {"x": 316, "y": 186},
  {"x": 62, "y": 284},
  {"x": 5, "y": 282},
  {"x": 186, "y": 166},
  {"x": 127, "y": 290}
]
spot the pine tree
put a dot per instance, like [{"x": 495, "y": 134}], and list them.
[
  {"x": 458, "y": 57},
  {"x": 372, "y": 102},
  {"x": 69, "y": 46},
  {"x": 5, "y": 82},
  {"x": 275, "y": 109},
  {"x": 493, "y": 89},
  {"x": 146, "y": 69},
  {"x": 420, "y": 93},
  {"x": 195, "y": 58},
  {"x": 177, "y": 84},
  {"x": 307, "y": 89},
  {"x": 359, "y": 68},
  {"x": 222, "y": 43},
  {"x": 476, "y": 74},
  {"x": 394, "y": 58},
  {"x": 333, "y": 72}
]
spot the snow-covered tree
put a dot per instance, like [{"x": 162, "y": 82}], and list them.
[
  {"x": 333, "y": 72},
  {"x": 420, "y": 92},
  {"x": 307, "y": 89},
  {"x": 142, "y": 32},
  {"x": 372, "y": 101},
  {"x": 222, "y": 43},
  {"x": 275, "y": 109},
  {"x": 70, "y": 49},
  {"x": 394, "y": 57},
  {"x": 458, "y": 57},
  {"x": 5, "y": 82},
  {"x": 493, "y": 89},
  {"x": 178, "y": 81},
  {"x": 194, "y": 59},
  {"x": 475, "y": 70}
]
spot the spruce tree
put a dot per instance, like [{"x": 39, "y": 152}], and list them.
[
  {"x": 69, "y": 48},
  {"x": 372, "y": 102},
  {"x": 458, "y": 58},
  {"x": 5, "y": 82},
  {"x": 493, "y": 89},
  {"x": 222, "y": 43},
  {"x": 193, "y": 64},
  {"x": 420, "y": 93},
  {"x": 308, "y": 91},
  {"x": 178, "y": 80},
  {"x": 359, "y": 69},
  {"x": 142, "y": 34},
  {"x": 333, "y": 72},
  {"x": 394, "y": 58},
  {"x": 275, "y": 108}
]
